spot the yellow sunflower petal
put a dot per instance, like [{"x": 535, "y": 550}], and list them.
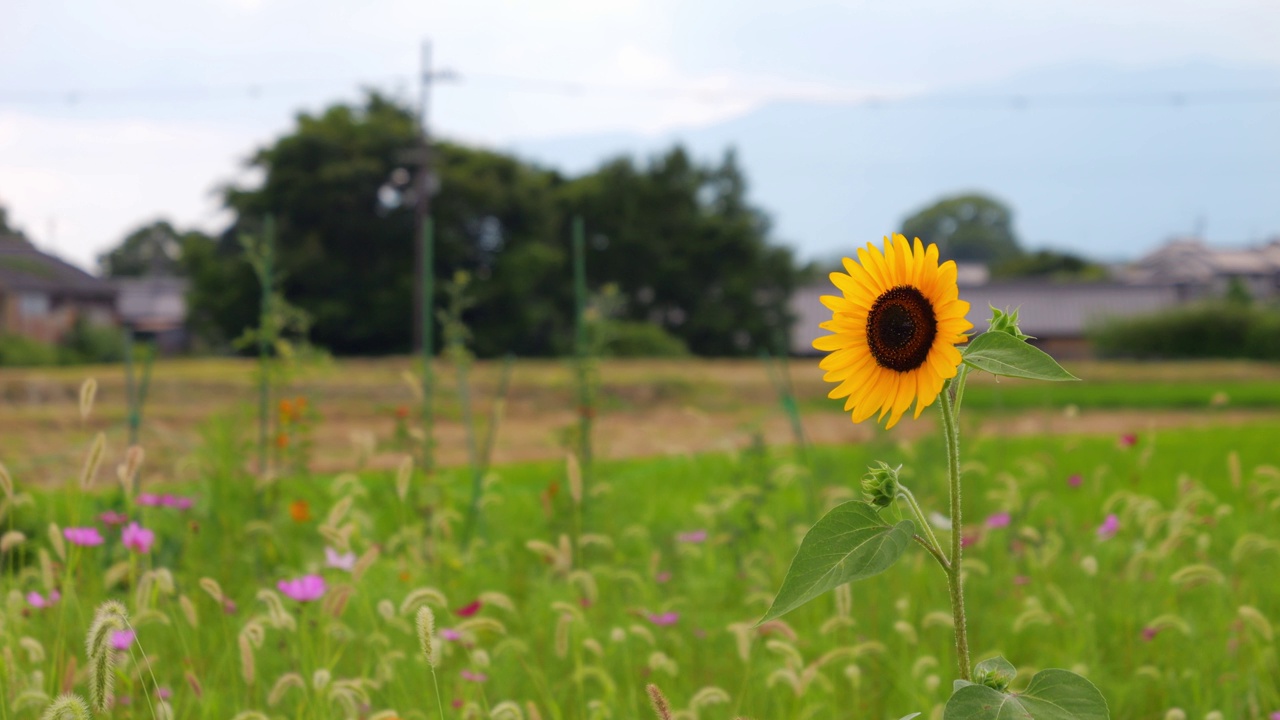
[{"x": 877, "y": 354}]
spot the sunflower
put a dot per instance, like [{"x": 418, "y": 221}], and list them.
[{"x": 896, "y": 329}]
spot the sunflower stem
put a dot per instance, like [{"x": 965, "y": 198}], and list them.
[
  {"x": 954, "y": 575},
  {"x": 930, "y": 541}
]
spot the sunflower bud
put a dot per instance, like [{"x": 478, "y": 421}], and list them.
[
  {"x": 1006, "y": 322},
  {"x": 881, "y": 484}
]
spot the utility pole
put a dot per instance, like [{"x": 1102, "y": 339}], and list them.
[{"x": 422, "y": 183}]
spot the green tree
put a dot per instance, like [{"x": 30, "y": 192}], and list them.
[
  {"x": 7, "y": 230},
  {"x": 345, "y": 246},
  {"x": 154, "y": 249},
  {"x": 971, "y": 227},
  {"x": 1050, "y": 264},
  {"x": 679, "y": 238},
  {"x": 687, "y": 250}
]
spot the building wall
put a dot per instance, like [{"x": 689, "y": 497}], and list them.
[{"x": 48, "y": 319}]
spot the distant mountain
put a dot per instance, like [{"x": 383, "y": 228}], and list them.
[{"x": 1105, "y": 161}]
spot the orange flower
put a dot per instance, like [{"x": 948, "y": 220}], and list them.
[
  {"x": 402, "y": 412},
  {"x": 282, "y": 441},
  {"x": 286, "y": 410},
  {"x": 300, "y": 511}
]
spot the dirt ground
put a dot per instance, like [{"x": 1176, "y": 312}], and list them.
[{"x": 646, "y": 408}]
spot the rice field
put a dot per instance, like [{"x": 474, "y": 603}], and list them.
[{"x": 1127, "y": 538}]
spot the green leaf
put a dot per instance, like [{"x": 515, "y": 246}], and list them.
[
  {"x": 849, "y": 543},
  {"x": 1052, "y": 695},
  {"x": 1000, "y": 353},
  {"x": 996, "y": 673}
]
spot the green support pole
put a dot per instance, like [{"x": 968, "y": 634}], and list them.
[
  {"x": 130, "y": 388},
  {"x": 264, "y": 341},
  {"x": 428, "y": 349},
  {"x": 585, "y": 410}
]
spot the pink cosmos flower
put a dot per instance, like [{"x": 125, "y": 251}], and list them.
[
  {"x": 693, "y": 536},
  {"x": 138, "y": 538},
  {"x": 1149, "y": 633},
  {"x": 450, "y": 634},
  {"x": 665, "y": 619},
  {"x": 474, "y": 676},
  {"x": 663, "y": 577},
  {"x": 1275, "y": 715},
  {"x": 173, "y": 501},
  {"x": 122, "y": 639},
  {"x": 341, "y": 561},
  {"x": 999, "y": 520},
  {"x": 164, "y": 693},
  {"x": 111, "y": 517},
  {"x": 39, "y": 602},
  {"x": 83, "y": 536},
  {"x": 303, "y": 589},
  {"x": 176, "y": 501},
  {"x": 1109, "y": 527},
  {"x": 1075, "y": 480},
  {"x": 1128, "y": 440}
]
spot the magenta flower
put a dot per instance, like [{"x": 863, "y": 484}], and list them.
[
  {"x": 1109, "y": 527},
  {"x": 999, "y": 520},
  {"x": 1128, "y": 440},
  {"x": 83, "y": 536},
  {"x": 122, "y": 639},
  {"x": 39, "y": 602},
  {"x": 138, "y": 538},
  {"x": 111, "y": 517},
  {"x": 303, "y": 589},
  {"x": 172, "y": 501},
  {"x": 665, "y": 619},
  {"x": 1075, "y": 480},
  {"x": 450, "y": 634},
  {"x": 1149, "y": 633},
  {"x": 164, "y": 693},
  {"x": 663, "y": 577},
  {"x": 474, "y": 676},
  {"x": 344, "y": 561},
  {"x": 1275, "y": 715},
  {"x": 176, "y": 501},
  {"x": 693, "y": 536}
]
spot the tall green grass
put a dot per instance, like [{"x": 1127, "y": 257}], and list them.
[{"x": 1164, "y": 614}]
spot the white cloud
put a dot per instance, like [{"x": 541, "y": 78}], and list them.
[{"x": 91, "y": 181}]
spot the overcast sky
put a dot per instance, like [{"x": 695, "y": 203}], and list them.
[{"x": 116, "y": 113}]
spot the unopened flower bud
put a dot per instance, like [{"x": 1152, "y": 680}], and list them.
[
  {"x": 1006, "y": 322},
  {"x": 881, "y": 484}
]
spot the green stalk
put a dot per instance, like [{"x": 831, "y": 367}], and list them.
[
  {"x": 428, "y": 349},
  {"x": 954, "y": 575},
  {"x": 929, "y": 541},
  {"x": 585, "y": 409}
]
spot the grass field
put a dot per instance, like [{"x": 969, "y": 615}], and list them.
[{"x": 557, "y": 610}]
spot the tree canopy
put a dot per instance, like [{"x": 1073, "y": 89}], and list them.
[
  {"x": 970, "y": 227},
  {"x": 677, "y": 236}
]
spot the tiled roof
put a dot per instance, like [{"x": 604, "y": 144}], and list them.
[
  {"x": 24, "y": 268},
  {"x": 1047, "y": 309}
]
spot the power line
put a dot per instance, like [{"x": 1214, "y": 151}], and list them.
[{"x": 498, "y": 82}]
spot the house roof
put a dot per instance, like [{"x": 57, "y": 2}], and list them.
[
  {"x": 1047, "y": 310},
  {"x": 24, "y": 268}
]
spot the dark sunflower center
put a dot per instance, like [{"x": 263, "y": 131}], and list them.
[{"x": 900, "y": 329}]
